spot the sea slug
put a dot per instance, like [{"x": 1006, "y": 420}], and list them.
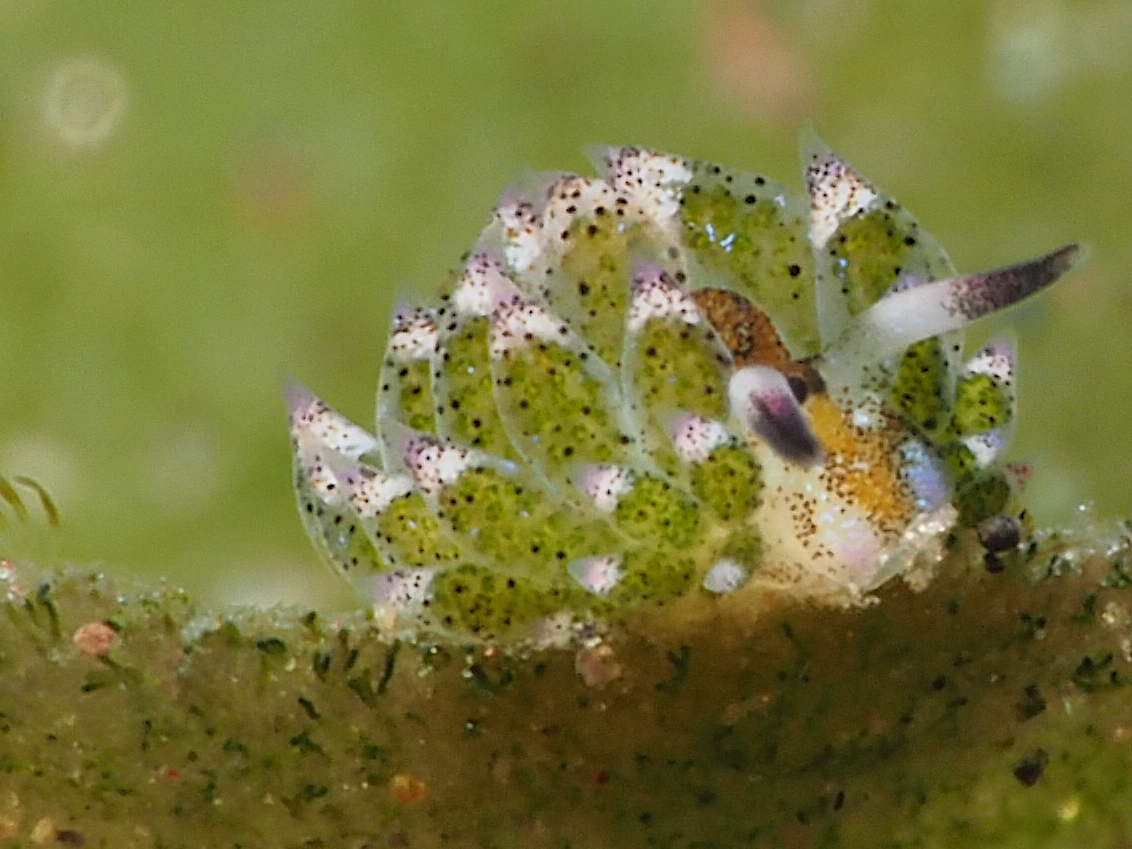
[{"x": 671, "y": 379}]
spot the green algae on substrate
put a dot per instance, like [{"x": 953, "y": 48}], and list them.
[{"x": 989, "y": 710}]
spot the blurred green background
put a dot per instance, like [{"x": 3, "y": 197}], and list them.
[{"x": 200, "y": 199}]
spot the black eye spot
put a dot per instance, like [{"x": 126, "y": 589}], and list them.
[{"x": 799, "y": 388}]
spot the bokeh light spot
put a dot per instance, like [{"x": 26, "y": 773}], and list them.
[{"x": 85, "y": 102}]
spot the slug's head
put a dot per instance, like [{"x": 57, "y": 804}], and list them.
[
  {"x": 904, "y": 444},
  {"x": 671, "y": 380}
]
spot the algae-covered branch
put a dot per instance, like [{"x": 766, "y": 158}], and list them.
[{"x": 991, "y": 709}]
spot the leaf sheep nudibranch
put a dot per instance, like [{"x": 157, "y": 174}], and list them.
[{"x": 670, "y": 379}]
